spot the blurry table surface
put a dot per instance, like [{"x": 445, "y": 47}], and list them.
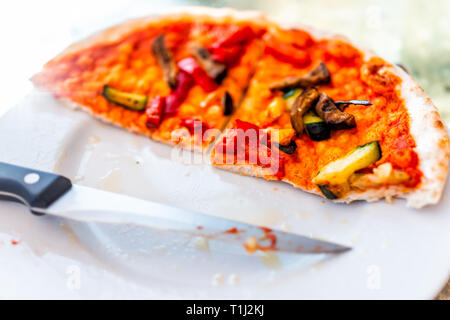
[{"x": 412, "y": 32}]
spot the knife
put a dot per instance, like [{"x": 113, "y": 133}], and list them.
[{"x": 52, "y": 194}]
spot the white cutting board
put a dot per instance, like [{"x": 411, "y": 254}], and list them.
[{"x": 397, "y": 252}]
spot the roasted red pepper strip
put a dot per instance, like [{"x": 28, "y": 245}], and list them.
[
  {"x": 227, "y": 55},
  {"x": 229, "y": 49},
  {"x": 154, "y": 111},
  {"x": 236, "y": 38},
  {"x": 251, "y": 150},
  {"x": 263, "y": 137},
  {"x": 194, "y": 125},
  {"x": 287, "y": 53},
  {"x": 177, "y": 96},
  {"x": 229, "y": 143},
  {"x": 191, "y": 67},
  {"x": 244, "y": 125}
]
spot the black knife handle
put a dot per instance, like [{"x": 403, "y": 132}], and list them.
[{"x": 34, "y": 188}]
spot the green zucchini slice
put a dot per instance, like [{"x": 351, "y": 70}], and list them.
[
  {"x": 132, "y": 101},
  {"x": 327, "y": 192},
  {"x": 316, "y": 127},
  {"x": 338, "y": 171}
]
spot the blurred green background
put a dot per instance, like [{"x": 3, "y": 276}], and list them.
[{"x": 412, "y": 32}]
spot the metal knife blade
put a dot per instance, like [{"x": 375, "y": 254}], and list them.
[
  {"x": 88, "y": 204},
  {"x": 47, "y": 193}
]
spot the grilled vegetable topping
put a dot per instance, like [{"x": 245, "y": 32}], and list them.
[
  {"x": 290, "y": 97},
  {"x": 154, "y": 111},
  {"x": 344, "y": 104},
  {"x": 286, "y": 52},
  {"x": 315, "y": 126},
  {"x": 328, "y": 111},
  {"x": 132, "y": 101},
  {"x": 319, "y": 75},
  {"x": 192, "y": 68},
  {"x": 177, "y": 96},
  {"x": 229, "y": 49},
  {"x": 165, "y": 60},
  {"x": 289, "y": 149},
  {"x": 227, "y": 55},
  {"x": 301, "y": 105},
  {"x": 227, "y": 104},
  {"x": 338, "y": 171},
  {"x": 328, "y": 193},
  {"x": 238, "y": 37},
  {"x": 213, "y": 69}
]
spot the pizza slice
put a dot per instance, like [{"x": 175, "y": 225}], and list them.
[
  {"x": 175, "y": 78},
  {"x": 337, "y": 121}
]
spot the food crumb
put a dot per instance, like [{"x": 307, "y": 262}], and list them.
[
  {"x": 15, "y": 242},
  {"x": 78, "y": 178},
  {"x": 233, "y": 279},
  {"x": 269, "y": 259},
  {"x": 94, "y": 139},
  {"x": 201, "y": 243},
  {"x": 58, "y": 162},
  {"x": 285, "y": 227},
  {"x": 218, "y": 279},
  {"x": 251, "y": 245},
  {"x": 139, "y": 161},
  {"x": 276, "y": 189},
  {"x": 388, "y": 199}
]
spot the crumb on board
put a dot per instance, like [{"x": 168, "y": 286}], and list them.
[
  {"x": 233, "y": 279},
  {"x": 218, "y": 279},
  {"x": 201, "y": 243},
  {"x": 388, "y": 199},
  {"x": 94, "y": 139}
]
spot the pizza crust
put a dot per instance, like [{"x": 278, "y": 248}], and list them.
[{"x": 432, "y": 142}]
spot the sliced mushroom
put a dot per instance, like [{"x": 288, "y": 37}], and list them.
[
  {"x": 328, "y": 111},
  {"x": 227, "y": 104},
  {"x": 319, "y": 75},
  {"x": 213, "y": 69},
  {"x": 165, "y": 60},
  {"x": 301, "y": 105}
]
